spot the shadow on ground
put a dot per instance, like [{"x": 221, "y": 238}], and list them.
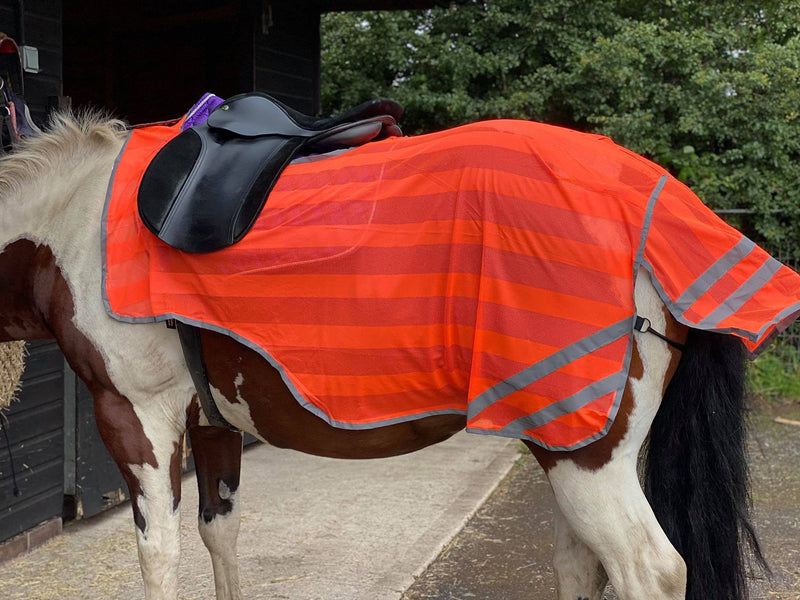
[{"x": 504, "y": 552}]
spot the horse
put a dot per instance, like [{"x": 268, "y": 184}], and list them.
[{"x": 685, "y": 533}]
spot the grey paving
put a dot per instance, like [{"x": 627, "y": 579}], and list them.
[{"x": 312, "y": 528}]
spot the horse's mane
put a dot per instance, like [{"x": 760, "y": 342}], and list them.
[{"x": 67, "y": 136}]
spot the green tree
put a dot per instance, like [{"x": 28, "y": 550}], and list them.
[
  {"x": 450, "y": 66},
  {"x": 710, "y": 90}
]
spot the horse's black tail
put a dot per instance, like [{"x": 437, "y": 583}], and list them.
[{"x": 696, "y": 475}]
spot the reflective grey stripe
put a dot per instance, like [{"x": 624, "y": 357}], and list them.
[
  {"x": 745, "y": 334},
  {"x": 104, "y": 226},
  {"x": 713, "y": 274},
  {"x": 572, "y": 352},
  {"x": 785, "y": 318},
  {"x": 648, "y": 217},
  {"x": 566, "y": 406},
  {"x": 550, "y": 364},
  {"x": 743, "y": 293}
]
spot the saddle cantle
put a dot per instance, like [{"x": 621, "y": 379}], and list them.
[{"x": 205, "y": 187}]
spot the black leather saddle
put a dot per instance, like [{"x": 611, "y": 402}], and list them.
[{"x": 205, "y": 187}]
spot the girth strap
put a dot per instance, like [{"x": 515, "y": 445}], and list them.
[{"x": 192, "y": 345}]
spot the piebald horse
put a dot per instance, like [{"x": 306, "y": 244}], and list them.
[{"x": 691, "y": 531}]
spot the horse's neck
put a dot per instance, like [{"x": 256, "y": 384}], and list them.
[
  {"x": 50, "y": 229},
  {"x": 54, "y": 206}
]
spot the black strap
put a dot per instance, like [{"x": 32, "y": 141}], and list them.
[
  {"x": 192, "y": 345},
  {"x": 642, "y": 324}
]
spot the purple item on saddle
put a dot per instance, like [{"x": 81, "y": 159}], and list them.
[{"x": 200, "y": 111}]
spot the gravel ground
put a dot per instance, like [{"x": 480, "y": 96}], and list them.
[{"x": 504, "y": 552}]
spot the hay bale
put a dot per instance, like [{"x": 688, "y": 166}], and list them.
[{"x": 12, "y": 363}]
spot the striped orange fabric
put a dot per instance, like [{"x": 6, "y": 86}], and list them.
[{"x": 486, "y": 270}]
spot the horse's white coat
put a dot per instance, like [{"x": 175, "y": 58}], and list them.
[
  {"x": 579, "y": 572},
  {"x": 238, "y": 413},
  {"x": 159, "y": 544},
  {"x": 224, "y": 491},
  {"x": 608, "y": 506}
]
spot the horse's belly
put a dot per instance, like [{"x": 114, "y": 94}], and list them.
[{"x": 251, "y": 395}]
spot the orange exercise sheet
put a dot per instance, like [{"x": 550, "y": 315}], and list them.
[{"x": 486, "y": 270}]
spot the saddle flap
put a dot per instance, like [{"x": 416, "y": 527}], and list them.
[
  {"x": 203, "y": 190},
  {"x": 197, "y": 197},
  {"x": 164, "y": 178}
]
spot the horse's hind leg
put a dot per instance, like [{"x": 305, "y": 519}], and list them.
[
  {"x": 579, "y": 573},
  {"x": 609, "y": 510},
  {"x": 217, "y": 454},
  {"x": 597, "y": 487}
]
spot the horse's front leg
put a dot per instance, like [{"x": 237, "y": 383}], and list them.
[
  {"x": 217, "y": 455},
  {"x": 146, "y": 447},
  {"x": 579, "y": 573}
]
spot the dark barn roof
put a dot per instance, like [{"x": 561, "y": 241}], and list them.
[{"x": 343, "y": 5}]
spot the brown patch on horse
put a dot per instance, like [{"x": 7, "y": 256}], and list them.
[
  {"x": 123, "y": 435},
  {"x": 19, "y": 319},
  {"x": 677, "y": 333},
  {"x": 42, "y": 304},
  {"x": 598, "y": 453},
  {"x": 175, "y": 472},
  {"x": 193, "y": 412},
  {"x": 282, "y": 421}
]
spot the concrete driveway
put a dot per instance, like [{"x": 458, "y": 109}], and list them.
[{"x": 312, "y": 528}]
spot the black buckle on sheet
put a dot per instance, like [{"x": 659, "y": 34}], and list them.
[{"x": 643, "y": 325}]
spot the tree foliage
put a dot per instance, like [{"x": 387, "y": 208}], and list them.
[{"x": 710, "y": 90}]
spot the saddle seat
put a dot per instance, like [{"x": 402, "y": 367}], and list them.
[{"x": 204, "y": 189}]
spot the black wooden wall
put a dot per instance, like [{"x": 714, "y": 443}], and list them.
[
  {"x": 151, "y": 60},
  {"x": 36, "y": 436},
  {"x": 35, "y": 422},
  {"x": 42, "y": 30},
  {"x": 286, "y": 54}
]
